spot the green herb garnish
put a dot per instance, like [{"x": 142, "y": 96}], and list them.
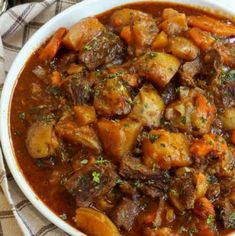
[{"x": 96, "y": 177}]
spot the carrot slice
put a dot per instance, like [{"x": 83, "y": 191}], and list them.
[
  {"x": 212, "y": 25},
  {"x": 126, "y": 34},
  {"x": 233, "y": 137},
  {"x": 52, "y": 47},
  {"x": 55, "y": 78},
  {"x": 201, "y": 38}
]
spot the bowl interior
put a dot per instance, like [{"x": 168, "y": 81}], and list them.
[{"x": 67, "y": 18}]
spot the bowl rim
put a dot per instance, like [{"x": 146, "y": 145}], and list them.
[{"x": 89, "y": 7}]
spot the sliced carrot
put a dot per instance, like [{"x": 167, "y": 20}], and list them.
[
  {"x": 233, "y": 137},
  {"x": 205, "y": 232},
  {"x": 212, "y": 25},
  {"x": 149, "y": 218},
  {"x": 204, "y": 208},
  {"x": 126, "y": 34},
  {"x": 55, "y": 78},
  {"x": 52, "y": 47},
  {"x": 201, "y": 38}
]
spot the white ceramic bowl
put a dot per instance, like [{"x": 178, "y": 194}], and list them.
[{"x": 67, "y": 18}]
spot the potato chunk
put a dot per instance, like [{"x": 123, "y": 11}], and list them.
[
  {"x": 118, "y": 137},
  {"x": 41, "y": 140},
  {"x": 228, "y": 118},
  {"x": 112, "y": 98},
  {"x": 193, "y": 113},
  {"x": 166, "y": 150},
  {"x": 158, "y": 67},
  {"x": 95, "y": 223},
  {"x": 82, "y": 32},
  {"x": 174, "y": 22},
  {"x": 85, "y": 135},
  {"x": 149, "y": 106},
  {"x": 183, "y": 48},
  {"x": 85, "y": 114}
]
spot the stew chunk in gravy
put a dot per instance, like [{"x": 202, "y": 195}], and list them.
[{"x": 124, "y": 124}]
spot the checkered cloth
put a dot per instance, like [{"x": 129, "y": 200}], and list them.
[{"x": 17, "y": 215}]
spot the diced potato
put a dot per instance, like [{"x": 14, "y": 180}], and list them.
[
  {"x": 158, "y": 67},
  {"x": 183, "y": 48},
  {"x": 149, "y": 106},
  {"x": 95, "y": 223},
  {"x": 84, "y": 135},
  {"x": 82, "y": 32},
  {"x": 201, "y": 184},
  {"x": 124, "y": 17},
  {"x": 112, "y": 98},
  {"x": 228, "y": 118},
  {"x": 118, "y": 137},
  {"x": 192, "y": 113},
  {"x": 41, "y": 140},
  {"x": 166, "y": 150},
  {"x": 85, "y": 114},
  {"x": 174, "y": 22},
  {"x": 160, "y": 41}
]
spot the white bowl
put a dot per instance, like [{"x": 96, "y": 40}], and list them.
[{"x": 67, "y": 18}]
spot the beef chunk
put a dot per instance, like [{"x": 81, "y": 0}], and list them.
[
  {"x": 154, "y": 189},
  {"x": 90, "y": 182},
  {"x": 103, "y": 49},
  {"x": 227, "y": 184},
  {"x": 228, "y": 94},
  {"x": 77, "y": 88},
  {"x": 188, "y": 71},
  {"x": 226, "y": 211},
  {"x": 132, "y": 168},
  {"x": 213, "y": 192},
  {"x": 125, "y": 213},
  {"x": 168, "y": 93}
]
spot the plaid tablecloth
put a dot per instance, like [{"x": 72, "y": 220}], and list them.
[{"x": 17, "y": 215}]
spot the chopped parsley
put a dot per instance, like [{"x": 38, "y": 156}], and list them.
[
  {"x": 210, "y": 219},
  {"x": 119, "y": 181},
  {"x": 22, "y": 116},
  {"x": 227, "y": 75},
  {"x": 17, "y": 132},
  {"x": 101, "y": 161},
  {"x": 183, "y": 119},
  {"x": 232, "y": 220},
  {"x": 152, "y": 54},
  {"x": 91, "y": 45},
  {"x": 84, "y": 162},
  {"x": 153, "y": 137},
  {"x": 63, "y": 216},
  {"x": 96, "y": 177}
]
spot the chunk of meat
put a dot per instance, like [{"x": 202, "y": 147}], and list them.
[
  {"x": 166, "y": 150},
  {"x": 183, "y": 48},
  {"x": 193, "y": 113},
  {"x": 83, "y": 32},
  {"x": 188, "y": 71},
  {"x": 90, "y": 182},
  {"x": 138, "y": 29},
  {"x": 201, "y": 38},
  {"x": 212, "y": 25},
  {"x": 95, "y": 223},
  {"x": 133, "y": 168},
  {"x": 226, "y": 210},
  {"x": 103, "y": 49},
  {"x": 118, "y": 137},
  {"x": 148, "y": 106},
  {"x": 227, "y": 94},
  {"x": 86, "y": 136},
  {"x": 182, "y": 192},
  {"x": 168, "y": 93},
  {"x": 85, "y": 114},
  {"x": 174, "y": 22},
  {"x": 227, "y": 52},
  {"x": 112, "y": 98},
  {"x": 124, "y": 214},
  {"x": 213, "y": 192},
  {"x": 41, "y": 140},
  {"x": 158, "y": 67},
  {"x": 77, "y": 88}
]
